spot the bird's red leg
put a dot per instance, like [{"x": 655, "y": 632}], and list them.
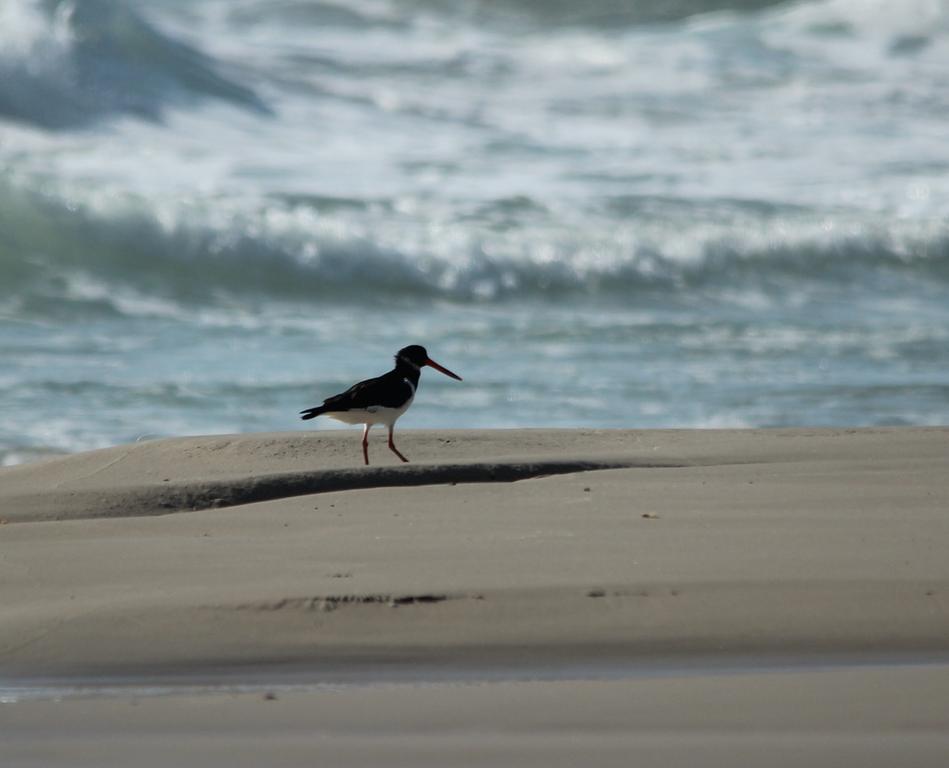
[
  {"x": 393, "y": 448},
  {"x": 365, "y": 444}
]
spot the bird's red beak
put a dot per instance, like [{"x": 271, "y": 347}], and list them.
[{"x": 432, "y": 364}]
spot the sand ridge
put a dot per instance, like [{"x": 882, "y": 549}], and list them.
[{"x": 185, "y": 474}]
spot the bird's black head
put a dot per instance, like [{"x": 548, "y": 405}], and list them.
[
  {"x": 415, "y": 357},
  {"x": 414, "y": 354}
]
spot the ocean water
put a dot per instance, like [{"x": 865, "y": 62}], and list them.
[{"x": 706, "y": 213}]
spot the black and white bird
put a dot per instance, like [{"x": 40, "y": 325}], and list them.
[{"x": 381, "y": 400}]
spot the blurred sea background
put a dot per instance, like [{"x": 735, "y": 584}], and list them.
[{"x": 653, "y": 213}]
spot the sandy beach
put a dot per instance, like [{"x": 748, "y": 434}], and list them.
[{"x": 530, "y": 597}]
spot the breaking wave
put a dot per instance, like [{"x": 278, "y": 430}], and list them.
[
  {"x": 69, "y": 63},
  {"x": 57, "y": 259}
]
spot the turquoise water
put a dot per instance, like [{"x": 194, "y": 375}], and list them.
[{"x": 216, "y": 213}]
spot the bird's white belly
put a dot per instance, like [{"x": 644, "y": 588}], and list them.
[{"x": 372, "y": 415}]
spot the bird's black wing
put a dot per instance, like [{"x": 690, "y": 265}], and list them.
[
  {"x": 388, "y": 391},
  {"x": 358, "y": 396}
]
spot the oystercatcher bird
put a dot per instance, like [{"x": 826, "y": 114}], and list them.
[{"x": 380, "y": 400}]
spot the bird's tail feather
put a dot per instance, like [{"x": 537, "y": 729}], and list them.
[{"x": 312, "y": 413}]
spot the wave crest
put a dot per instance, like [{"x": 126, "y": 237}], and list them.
[
  {"x": 67, "y": 63},
  {"x": 55, "y": 260}
]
